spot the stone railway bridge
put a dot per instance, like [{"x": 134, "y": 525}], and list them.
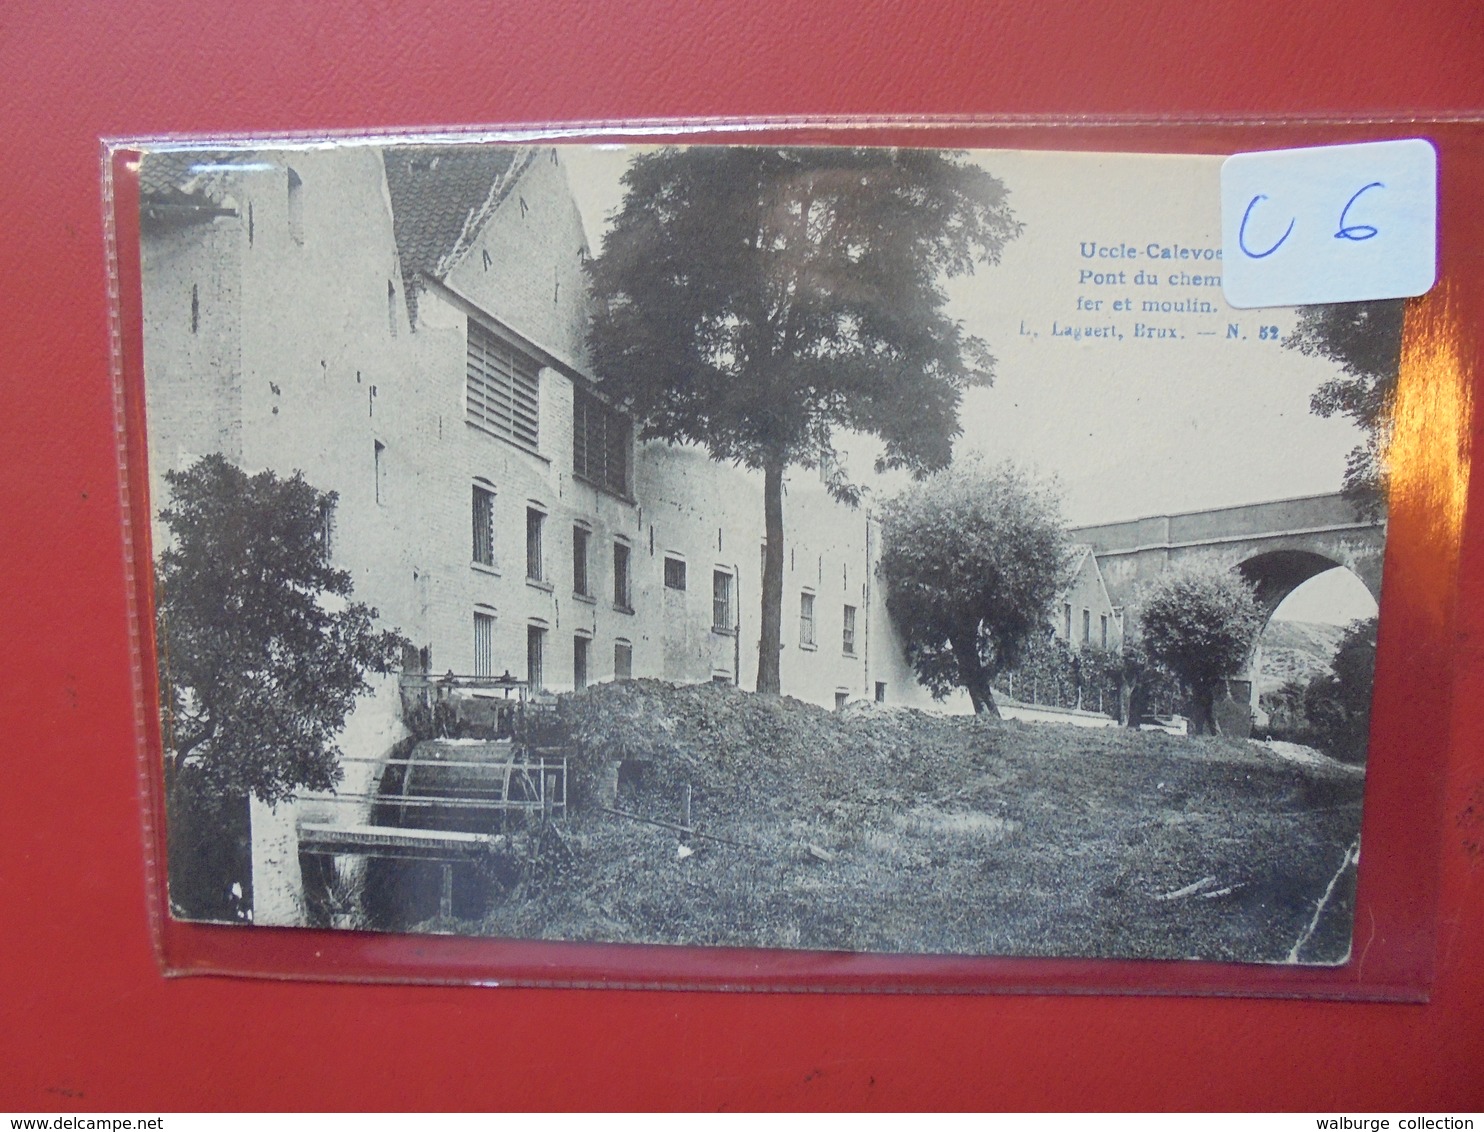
[{"x": 1277, "y": 545}]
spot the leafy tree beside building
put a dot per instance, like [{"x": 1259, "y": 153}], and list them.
[
  {"x": 754, "y": 301},
  {"x": 1199, "y": 620},
  {"x": 972, "y": 559},
  {"x": 262, "y": 657}
]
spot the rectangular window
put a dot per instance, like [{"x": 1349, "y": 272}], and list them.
[
  {"x": 579, "y": 662},
  {"x": 601, "y": 439},
  {"x": 674, "y": 573},
  {"x": 580, "y": 536},
  {"x": 378, "y": 456},
  {"x": 484, "y": 526},
  {"x": 535, "y": 656},
  {"x": 1066, "y": 611},
  {"x": 806, "y": 620},
  {"x": 721, "y": 601},
  {"x": 1103, "y": 629},
  {"x": 621, "y": 599},
  {"x": 484, "y": 644},
  {"x": 880, "y": 691},
  {"x": 840, "y": 698},
  {"x": 623, "y": 661},
  {"x": 847, "y": 637},
  {"x": 503, "y": 388},
  {"x": 327, "y": 526},
  {"x": 1087, "y": 626},
  {"x": 535, "y": 520}
]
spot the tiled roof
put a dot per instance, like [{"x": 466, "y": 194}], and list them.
[
  {"x": 164, "y": 173},
  {"x": 441, "y": 196},
  {"x": 170, "y": 173}
]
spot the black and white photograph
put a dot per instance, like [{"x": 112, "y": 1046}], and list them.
[{"x": 893, "y": 550}]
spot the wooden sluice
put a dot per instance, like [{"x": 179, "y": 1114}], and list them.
[{"x": 449, "y": 801}]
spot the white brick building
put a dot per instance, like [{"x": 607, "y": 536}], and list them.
[
  {"x": 406, "y": 326},
  {"x": 1085, "y": 613}
]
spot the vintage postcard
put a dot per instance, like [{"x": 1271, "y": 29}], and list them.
[{"x": 877, "y": 550}]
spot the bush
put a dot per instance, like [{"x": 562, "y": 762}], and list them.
[
  {"x": 1333, "y": 710},
  {"x": 1199, "y": 620}
]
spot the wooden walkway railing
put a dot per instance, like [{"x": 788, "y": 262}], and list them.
[{"x": 443, "y": 809}]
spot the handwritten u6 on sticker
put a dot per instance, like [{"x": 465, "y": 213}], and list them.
[{"x": 1332, "y": 224}]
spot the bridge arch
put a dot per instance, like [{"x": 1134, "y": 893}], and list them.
[
  {"x": 1278, "y": 545},
  {"x": 1275, "y": 574},
  {"x": 1315, "y": 609}
]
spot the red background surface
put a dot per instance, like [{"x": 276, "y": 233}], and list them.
[{"x": 86, "y": 1020}]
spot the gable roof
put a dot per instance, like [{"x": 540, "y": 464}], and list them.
[
  {"x": 441, "y": 197},
  {"x": 1078, "y": 553}
]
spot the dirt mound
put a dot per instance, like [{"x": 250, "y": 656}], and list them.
[{"x": 738, "y": 750}]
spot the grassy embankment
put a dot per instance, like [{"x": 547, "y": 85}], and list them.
[{"x": 892, "y": 830}]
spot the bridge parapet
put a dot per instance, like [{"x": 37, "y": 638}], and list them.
[
  {"x": 1265, "y": 540},
  {"x": 1302, "y": 515}
]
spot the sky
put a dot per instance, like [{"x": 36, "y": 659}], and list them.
[{"x": 1200, "y": 416}]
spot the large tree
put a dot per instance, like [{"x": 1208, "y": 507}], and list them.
[
  {"x": 262, "y": 656},
  {"x": 1365, "y": 341},
  {"x": 754, "y": 301},
  {"x": 972, "y": 559},
  {"x": 1199, "y": 620}
]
